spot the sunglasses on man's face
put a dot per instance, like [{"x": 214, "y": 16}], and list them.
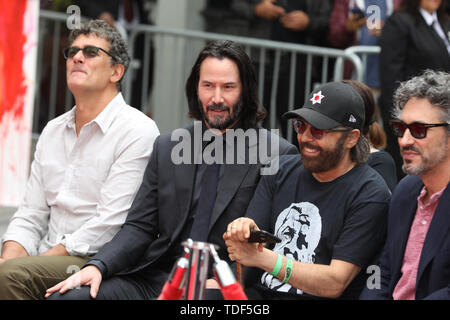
[
  {"x": 417, "y": 129},
  {"x": 300, "y": 126},
  {"x": 88, "y": 52}
]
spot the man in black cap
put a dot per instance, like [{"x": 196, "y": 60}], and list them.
[{"x": 328, "y": 208}]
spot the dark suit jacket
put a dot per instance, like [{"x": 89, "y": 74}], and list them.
[
  {"x": 407, "y": 48},
  {"x": 433, "y": 276},
  {"x": 162, "y": 204}
]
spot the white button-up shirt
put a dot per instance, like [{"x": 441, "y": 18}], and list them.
[{"x": 80, "y": 188}]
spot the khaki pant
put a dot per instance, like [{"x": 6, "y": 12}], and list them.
[{"x": 28, "y": 278}]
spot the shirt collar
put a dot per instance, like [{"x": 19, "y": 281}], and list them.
[
  {"x": 105, "y": 118},
  {"x": 429, "y": 18},
  {"x": 433, "y": 199},
  {"x": 71, "y": 119},
  {"x": 227, "y": 142}
]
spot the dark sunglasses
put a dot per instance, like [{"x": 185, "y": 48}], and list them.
[
  {"x": 418, "y": 130},
  {"x": 88, "y": 52},
  {"x": 300, "y": 127}
]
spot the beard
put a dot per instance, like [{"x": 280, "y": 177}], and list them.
[
  {"x": 221, "y": 122},
  {"x": 326, "y": 159},
  {"x": 427, "y": 162}
]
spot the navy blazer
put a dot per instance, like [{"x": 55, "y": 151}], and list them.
[{"x": 433, "y": 276}]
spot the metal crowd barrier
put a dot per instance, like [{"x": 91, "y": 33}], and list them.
[
  {"x": 168, "y": 81},
  {"x": 361, "y": 51}
]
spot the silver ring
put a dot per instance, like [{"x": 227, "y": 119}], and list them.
[{"x": 233, "y": 227}]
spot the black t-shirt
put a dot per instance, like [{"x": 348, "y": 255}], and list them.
[
  {"x": 384, "y": 164},
  {"x": 344, "y": 219}
]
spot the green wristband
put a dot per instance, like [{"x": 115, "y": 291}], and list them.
[
  {"x": 288, "y": 271},
  {"x": 278, "y": 265}
]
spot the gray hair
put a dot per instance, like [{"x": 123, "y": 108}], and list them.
[
  {"x": 360, "y": 152},
  {"x": 101, "y": 29},
  {"x": 431, "y": 85}
]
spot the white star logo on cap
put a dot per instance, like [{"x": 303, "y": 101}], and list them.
[{"x": 317, "y": 98}]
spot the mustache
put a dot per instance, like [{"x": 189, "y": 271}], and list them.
[
  {"x": 217, "y": 107},
  {"x": 411, "y": 148},
  {"x": 310, "y": 146}
]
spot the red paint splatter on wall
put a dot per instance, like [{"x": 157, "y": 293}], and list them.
[{"x": 12, "y": 40}]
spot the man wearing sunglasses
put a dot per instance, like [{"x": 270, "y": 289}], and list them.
[
  {"x": 88, "y": 165},
  {"x": 343, "y": 199},
  {"x": 415, "y": 263}
]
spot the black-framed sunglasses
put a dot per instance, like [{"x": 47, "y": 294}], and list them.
[
  {"x": 417, "y": 129},
  {"x": 300, "y": 126},
  {"x": 88, "y": 52}
]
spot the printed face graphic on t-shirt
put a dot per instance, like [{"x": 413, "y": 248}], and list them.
[{"x": 299, "y": 227}]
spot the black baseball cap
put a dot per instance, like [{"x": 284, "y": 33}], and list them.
[{"x": 330, "y": 105}]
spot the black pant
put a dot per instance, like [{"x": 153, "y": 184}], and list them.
[{"x": 142, "y": 285}]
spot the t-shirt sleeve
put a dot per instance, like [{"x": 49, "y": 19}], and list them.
[{"x": 363, "y": 234}]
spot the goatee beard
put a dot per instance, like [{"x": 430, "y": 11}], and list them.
[{"x": 222, "y": 122}]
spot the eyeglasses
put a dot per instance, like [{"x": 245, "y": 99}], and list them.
[
  {"x": 300, "y": 127},
  {"x": 88, "y": 52},
  {"x": 418, "y": 130}
]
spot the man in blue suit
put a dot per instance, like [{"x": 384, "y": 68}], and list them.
[{"x": 415, "y": 263}]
